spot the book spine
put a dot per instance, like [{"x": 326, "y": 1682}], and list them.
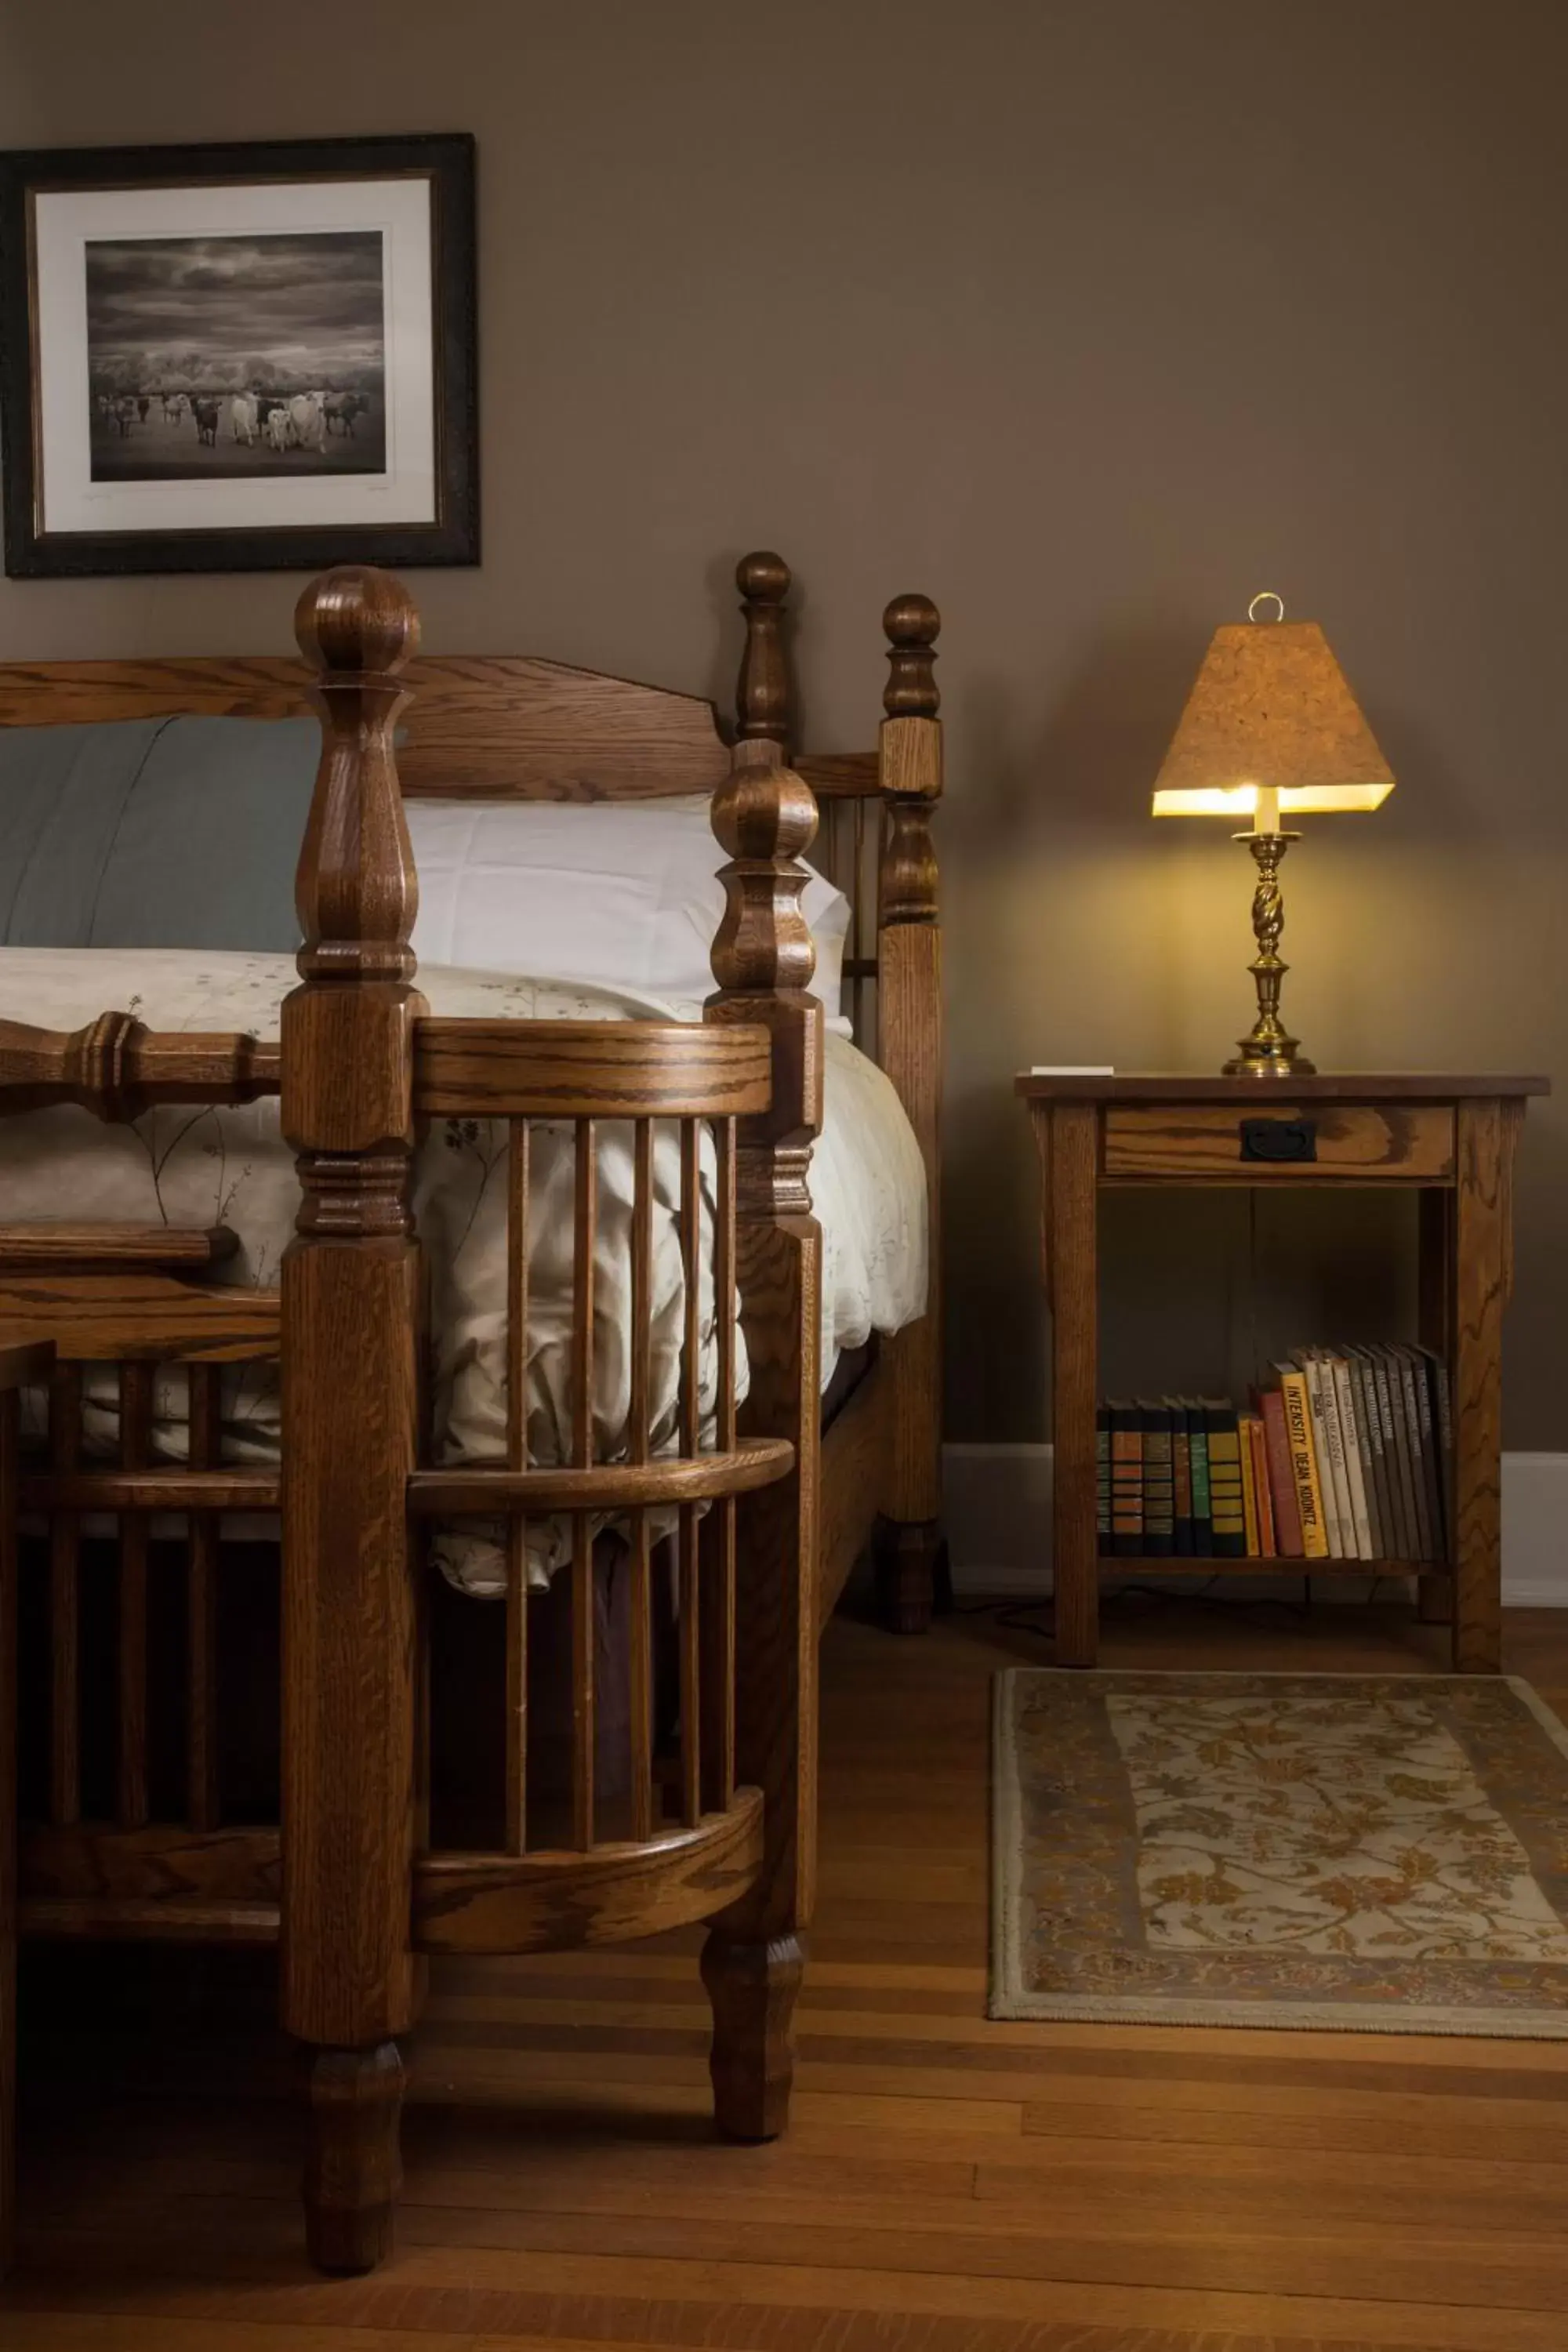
[
  {"x": 1159, "y": 1498},
  {"x": 1431, "y": 1461},
  {"x": 1350, "y": 1438},
  {"x": 1393, "y": 1418},
  {"x": 1198, "y": 1460},
  {"x": 1181, "y": 1477},
  {"x": 1248, "y": 1487},
  {"x": 1102, "y": 1477},
  {"x": 1282, "y": 1477},
  {"x": 1224, "y": 1484},
  {"x": 1299, "y": 1430},
  {"x": 1425, "y": 1534},
  {"x": 1437, "y": 1375},
  {"x": 1369, "y": 1425},
  {"x": 1317, "y": 1402},
  {"x": 1126, "y": 1480},
  {"x": 1268, "y": 1540}
]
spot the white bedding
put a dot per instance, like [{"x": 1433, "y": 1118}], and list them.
[{"x": 231, "y": 1165}]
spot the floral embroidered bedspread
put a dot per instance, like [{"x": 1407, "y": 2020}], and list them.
[{"x": 229, "y": 1166}]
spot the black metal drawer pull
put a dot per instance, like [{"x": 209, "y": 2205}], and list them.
[{"x": 1278, "y": 1139}]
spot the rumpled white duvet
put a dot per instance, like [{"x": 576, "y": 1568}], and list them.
[{"x": 230, "y": 1166}]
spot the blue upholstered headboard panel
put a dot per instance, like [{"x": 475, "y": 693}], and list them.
[{"x": 160, "y": 833}]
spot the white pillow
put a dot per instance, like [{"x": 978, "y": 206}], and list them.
[{"x": 627, "y": 897}]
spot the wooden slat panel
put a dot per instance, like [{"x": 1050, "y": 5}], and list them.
[
  {"x": 65, "y": 1606},
  {"x": 76, "y": 1247},
  {"x": 718, "y": 1569},
  {"x": 202, "y": 1798},
  {"x": 589, "y": 1069},
  {"x": 690, "y": 1623},
  {"x": 131, "y": 1804},
  {"x": 101, "y": 1319},
  {"x": 505, "y": 726},
  {"x": 517, "y": 1459},
  {"x": 582, "y": 1682}
]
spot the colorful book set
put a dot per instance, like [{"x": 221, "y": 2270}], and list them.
[{"x": 1344, "y": 1454}]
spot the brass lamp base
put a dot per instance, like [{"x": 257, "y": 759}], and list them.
[{"x": 1268, "y": 1050}]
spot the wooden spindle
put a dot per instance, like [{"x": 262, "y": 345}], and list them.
[
  {"x": 517, "y": 1459},
  {"x": 762, "y": 691},
  {"x": 65, "y": 1606},
  {"x": 204, "y": 1422},
  {"x": 641, "y": 1596},
  {"x": 585, "y": 1231},
  {"x": 132, "y": 1808},
  {"x": 690, "y": 1440},
  {"x": 718, "y": 1572}
]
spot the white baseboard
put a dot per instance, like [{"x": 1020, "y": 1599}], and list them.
[{"x": 997, "y": 1505}]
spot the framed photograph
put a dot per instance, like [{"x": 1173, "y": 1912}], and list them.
[{"x": 239, "y": 358}]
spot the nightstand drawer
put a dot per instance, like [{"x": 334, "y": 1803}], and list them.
[{"x": 1281, "y": 1142}]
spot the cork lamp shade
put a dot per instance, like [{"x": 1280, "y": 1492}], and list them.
[{"x": 1271, "y": 709}]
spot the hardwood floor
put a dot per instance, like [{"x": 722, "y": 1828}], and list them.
[{"x": 948, "y": 2185}]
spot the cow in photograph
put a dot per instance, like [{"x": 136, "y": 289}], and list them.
[
  {"x": 143, "y": 402},
  {"x": 308, "y": 420},
  {"x": 277, "y": 429},
  {"x": 123, "y": 412},
  {"x": 242, "y": 418},
  {"x": 343, "y": 407},
  {"x": 207, "y": 416}
]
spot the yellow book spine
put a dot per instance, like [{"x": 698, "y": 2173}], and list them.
[
  {"x": 1304, "y": 1463},
  {"x": 1248, "y": 1490}
]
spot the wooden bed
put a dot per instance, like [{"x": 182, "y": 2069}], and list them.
[{"x": 724, "y": 1828}]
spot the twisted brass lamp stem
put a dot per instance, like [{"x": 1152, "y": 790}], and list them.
[{"x": 1268, "y": 1050}]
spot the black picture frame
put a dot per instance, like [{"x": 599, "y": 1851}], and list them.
[{"x": 445, "y": 160}]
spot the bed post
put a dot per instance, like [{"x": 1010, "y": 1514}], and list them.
[
  {"x": 766, "y": 816},
  {"x": 348, "y": 1313},
  {"x": 909, "y": 1019}
]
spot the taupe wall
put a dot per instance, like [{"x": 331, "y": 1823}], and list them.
[{"x": 1090, "y": 317}]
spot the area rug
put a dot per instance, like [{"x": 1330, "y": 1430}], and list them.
[{"x": 1362, "y": 1853}]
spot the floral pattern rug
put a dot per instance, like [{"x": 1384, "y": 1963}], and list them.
[{"x": 1382, "y": 1852}]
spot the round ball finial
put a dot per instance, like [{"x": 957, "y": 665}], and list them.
[
  {"x": 911, "y": 623},
  {"x": 358, "y": 619},
  {"x": 762, "y": 577}
]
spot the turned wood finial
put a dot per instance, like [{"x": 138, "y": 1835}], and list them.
[
  {"x": 911, "y": 624},
  {"x": 761, "y": 692},
  {"x": 355, "y": 890}
]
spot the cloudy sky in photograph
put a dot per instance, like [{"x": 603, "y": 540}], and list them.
[{"x": 225, "y": 309}]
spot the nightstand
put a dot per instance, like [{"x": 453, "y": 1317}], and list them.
[{"x": 1451, "y": 1138}]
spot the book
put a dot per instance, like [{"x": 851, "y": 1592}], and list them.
[
  {"x": 1224, "y": 1479},
  {"x": 1198, "y": 1464},
  {"x": 1391, "y": 1401},
  {"x": 1431, "y": 1462},
  {"x": 1267, "y": 1542},
  {"x": 1282, "y": 1501},
  {"x": 1181, "y": 1477},
  {"x": 1369, "y": 1423},
  {"x": 1126, "y": 1477},
  {"x": 1159, "y": 1498},
  {"x": 1072, "y": 1070},
  {"x": 1350, "y": 1437},
  {"x": 1401, "y": 1365},
  {"x": 1102, "y": 1477},
  {"x": 1317, "y": 1392},
  {"x": 1438, "y": 1381},
  {"x": 1249, "y": 1486},
  {"x": 1310, "y": 1512}
]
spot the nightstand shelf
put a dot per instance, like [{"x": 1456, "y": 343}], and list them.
[{"x": 1449, "y": 1139}]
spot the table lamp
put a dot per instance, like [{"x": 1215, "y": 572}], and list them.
[{"x": 1270, "y": 729}]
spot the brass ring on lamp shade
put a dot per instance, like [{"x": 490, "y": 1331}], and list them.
[{"x": 1263, "y": 597}]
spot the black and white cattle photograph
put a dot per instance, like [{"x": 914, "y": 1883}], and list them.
[{"x": 250, "y": 355}]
